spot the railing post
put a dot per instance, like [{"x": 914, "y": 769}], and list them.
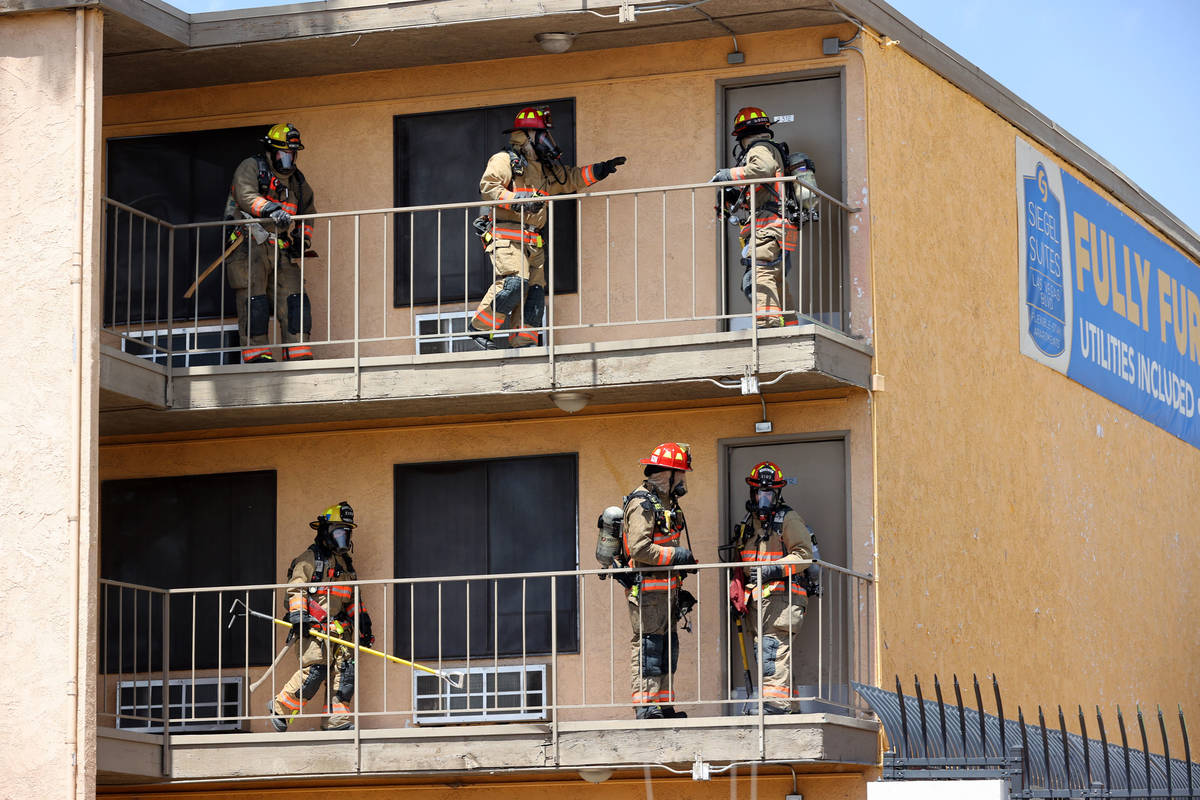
[
  {"x": 166, "y": 684},
  {"x": 357, "y": 343},
  {"x": 550, "y": 325},
  {"x": 554, "y": 663},
  {"x": 170, "y": 398}
]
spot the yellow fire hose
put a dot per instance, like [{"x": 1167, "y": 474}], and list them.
[{"x": 452, "y": 677}]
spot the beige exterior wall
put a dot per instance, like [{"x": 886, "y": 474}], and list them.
[
  {"x": 657, "y": 105},
  {"x": 49, "y": 88},
  {"x": 317, "y": 469},
  {"x": 746, "y": 784},
  {"x": 1028, "y": 526}
]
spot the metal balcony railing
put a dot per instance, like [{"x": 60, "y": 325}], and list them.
[
  {"x": 620, "y": 265},
  {"x": 547, "y": 646}
]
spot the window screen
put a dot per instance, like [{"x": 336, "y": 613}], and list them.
[
  {"x": 439, "y": 158},
  {"x": 491, "y": 517},
  {"x": 178, "y": 178},
  {"x": 175, "y": 533}
]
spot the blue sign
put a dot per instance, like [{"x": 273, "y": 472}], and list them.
[{"x": 1106, "y": 301}]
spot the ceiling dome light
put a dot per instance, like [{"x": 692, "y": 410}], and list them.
[{"x": 555, "y": 42}]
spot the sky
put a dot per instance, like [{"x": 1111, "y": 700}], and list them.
[{"x": 1122, "y": 76}]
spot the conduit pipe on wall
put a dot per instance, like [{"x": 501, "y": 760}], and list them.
[{"x": 78, "y": 374}]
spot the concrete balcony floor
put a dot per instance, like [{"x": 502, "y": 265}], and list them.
[
  {"x": 822, "y": 740},
  {"x": 137, "y": 397}
]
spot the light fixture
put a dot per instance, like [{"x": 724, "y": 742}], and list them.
[
  {"x": 559, "y": 42},
  {"x": 570, "y": 402},
  {"x": 595, "y": 775}
]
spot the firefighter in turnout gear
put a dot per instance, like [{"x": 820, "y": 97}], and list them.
[
  {"x": 265, "y": 270},
  {"x": 323, "y": 601},
  {"x": 772, "y": 531},
  {"x": 768, "y": 238},
  {"x": 652, "y": 528},
  {"x": 513, "y": 234}
]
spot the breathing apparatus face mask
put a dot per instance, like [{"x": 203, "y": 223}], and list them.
[
  {"x": 284, "y": 160},
  {"x": 545, "y": 146},
  {"x": 765, "y": 499},
  {"x": 340, "y": 535},
  {"x": 678, "y": 488}
]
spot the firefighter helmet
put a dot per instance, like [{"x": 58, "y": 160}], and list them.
[
  {"x": 284, "y": 136},
  {"x": 341, "y": 514},
  {"x": 766, "y": 475},
  {"x": 670, "y": 455},
  {"x": 750, "y": 119},
  {"x": 531, "y": 118}
]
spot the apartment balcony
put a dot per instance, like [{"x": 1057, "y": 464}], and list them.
[
  {"x": 644, "y": 304},
  {"x": 513, "y": 673}
]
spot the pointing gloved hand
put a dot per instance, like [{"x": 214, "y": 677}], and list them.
[
  {"x": 602, "y": 169},
  {"x": 771, "y": 572},
  {"x": 721, "y": 176},
  {"x": 682, "y": 556}
]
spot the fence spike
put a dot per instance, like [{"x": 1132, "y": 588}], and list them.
[
  {"x": 1062, "y": 729},
  {"x": 1125, "y": 748},
  {"x": 1087, "y": 756},
  {"x": 962, "y": 717},
  {"x": 1145, "y": 747},
  {"x": 1104, "y": 747},
  {"x": 903, "y": 719},
  {"x": 1162, "y": 727},
  {"x": 1045, "y": 747},
  {"x": 1025, "y": 771},
  {"x": 937, "y": 688},
  {"x": 1187, "y": 750},
  {"x": 921, "y": 711},
  {"x": 1000, "y": 716},
  {"x": 982, "y": 726}
]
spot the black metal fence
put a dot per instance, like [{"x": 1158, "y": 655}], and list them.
[{"x": 935, "y": 739}]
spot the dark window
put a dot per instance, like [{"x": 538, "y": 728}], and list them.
[
  {"x": 486, "y": 518},
  {"x": 439, "y": 158},
  {"x": 178, "y": 178},
  {"x": 176, "y": 533}
]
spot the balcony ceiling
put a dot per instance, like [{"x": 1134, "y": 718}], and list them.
[{"x": 150, "y": 46}]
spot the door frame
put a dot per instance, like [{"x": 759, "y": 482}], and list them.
[{"x": 723, "y": 120}]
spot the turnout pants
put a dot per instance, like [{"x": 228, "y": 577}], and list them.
[
  {"x": 781, "y": 622},
  {"x": 262, "y": 286},
  {"x": 767, "y": 287},
  {"x": 516, "y": 299},
  {"x": 315, "y": 666},
  {"x": 653, "y": 649}
]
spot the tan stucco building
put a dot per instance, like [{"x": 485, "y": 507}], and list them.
[{"x": 983, "y": 507}]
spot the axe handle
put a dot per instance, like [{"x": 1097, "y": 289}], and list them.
[{"x": 196, "y": 284}]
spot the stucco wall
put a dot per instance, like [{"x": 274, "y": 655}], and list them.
[
  {"x": 657, "y": 105},
  {"x": 48, "y": 151},
  {"x": 317, "y": 469},
  {"x": 1028, "y": 526}
]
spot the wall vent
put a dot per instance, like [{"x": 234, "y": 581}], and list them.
[
  {"x": 203, "y": 704},
  {"x": 489, "y": 694}
]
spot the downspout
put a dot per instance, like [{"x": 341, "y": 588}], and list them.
[{"x": 76, "y": 483}]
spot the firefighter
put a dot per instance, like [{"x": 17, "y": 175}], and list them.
[
  {"x": 322, "y": 601},
  {"x": 653, "y": 524},
  {"x": 513, "y": 235},
  {"x": 773, "y": 531},
  {"x": 768, "y": 238},
  {"x": 265, "y": 271}
]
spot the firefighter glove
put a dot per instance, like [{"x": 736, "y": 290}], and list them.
[
  {"x": 528, "y": 208},
  {"x": 721, "y": 176},
  {"x": 276, "y": 213},
  {"x": 602, "y": 169},
  {"x": 365, "y": 637},
  {"x": 301, "y": 621},
  {"x": 772, "y": 572},
  {"x": 682, "y": 556}
]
